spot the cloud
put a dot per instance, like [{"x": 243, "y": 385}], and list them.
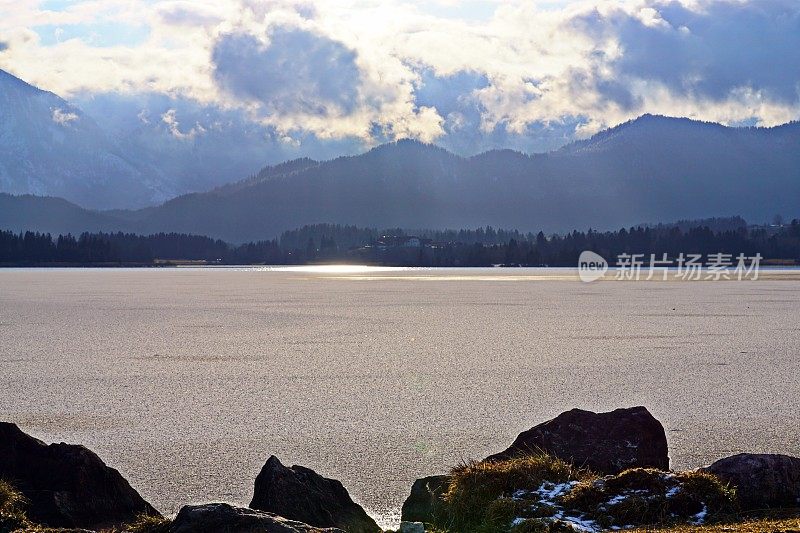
[
  {"x": 63, "y": 118},
  {"x": 189, "y": 14},
  {"x": 295, "y": 71},
  {"x": 525, "y": 74},
  {"x": 707, "y": 53},
  {"x": 450, "y": 92},
  {"x": 171, "y": 120},
  {"x": 3, "y": 46},
  {"x": 226, "y": 143}
]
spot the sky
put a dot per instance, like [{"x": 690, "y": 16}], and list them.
[{"x": 468, "y": 75}]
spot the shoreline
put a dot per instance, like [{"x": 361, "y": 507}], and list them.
[{"x": 581, "y": 471}]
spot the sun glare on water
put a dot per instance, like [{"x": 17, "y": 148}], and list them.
[{"x": 336, "y": 269}]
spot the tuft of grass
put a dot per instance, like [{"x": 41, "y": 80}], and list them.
[
  {"x": 478, "y": 496},
  {"x": 531, "y": 525},
  {"x": 542, "y": 494},
  {"x": 704, "y": 491},
  {"x": 649, "y": 479},
  {"x": 149, "y": 524},
  {"x": 11, "y": 500},
  {"x": 767, "y": 525},
  {"x": 641, "y": 496},
  {"x": 12, "y": 509},
  {"x": 144, "y": 523},
  {"x": 537, "y": 525}
]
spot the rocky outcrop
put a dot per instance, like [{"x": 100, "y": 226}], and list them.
[
  {"x": 762, "y": 481},
  {"x": 230, "y": 519},
  {"x": 301, "y": 494},
  {"x": 411, "y": 527},
  {"x": 425, "y": 495},
  {"x": 67, "y": 485},
  {"x": 607, "y": 443}
]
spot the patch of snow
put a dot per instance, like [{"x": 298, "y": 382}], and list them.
[
  {"x": 519, "y": 494},
  {"x": 619, "y": 498},
  {"x": 700, "y": 517},
  {"x": 673, "y": 491},
  {"x": 548, "y": 492},
  {"x": 580, "y": 524}
]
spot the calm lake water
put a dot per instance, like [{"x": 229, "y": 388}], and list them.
[{"x": 186, "y": 380}]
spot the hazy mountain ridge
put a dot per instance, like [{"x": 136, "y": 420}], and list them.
[
  {"x": 49, "y": 146},
  {"x": 653, "y": 168},
  {"x": 657, "y": 168},
  {"x": 122, "y": 151},
  {"x": 53, "y": 215},
  {"x": 281, "y": 170},
  {"x": 649, "y": 123}
]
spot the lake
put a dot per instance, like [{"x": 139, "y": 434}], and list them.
[{"x": 187, "y": 379}]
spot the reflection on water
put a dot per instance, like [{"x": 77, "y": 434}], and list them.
[{"x": 333, "y": 269}]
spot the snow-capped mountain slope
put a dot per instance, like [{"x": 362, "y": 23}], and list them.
[{"x": 50, "y": 147}]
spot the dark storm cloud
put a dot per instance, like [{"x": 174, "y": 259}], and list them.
[
  {"x": 297, "y": 71},
  {"x": 711, "y": 51},
  {"x": 590, "y": 80}
]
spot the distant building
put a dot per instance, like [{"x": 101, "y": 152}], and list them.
[{"x": 400, "y": 241}]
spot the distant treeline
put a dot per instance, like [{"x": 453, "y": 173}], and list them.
[{"x": 467, "y": 247}]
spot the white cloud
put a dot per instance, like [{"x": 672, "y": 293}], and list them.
[
  {"x": 358, "y": 68},
  {"x": 171, "y": 120},
  {"x": 62, "y": 117}
]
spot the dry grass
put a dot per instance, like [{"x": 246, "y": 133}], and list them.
[
  {"x": 786, "y": 525},
  {"x": 144, "y": 524},
  {"x": 478, "y": 499},
  {"x": 482, "y": 497},
  {"x": 12, "y": 509},
  {"x": 11, "y": 500},
  {"x": 642, "y": 498}
]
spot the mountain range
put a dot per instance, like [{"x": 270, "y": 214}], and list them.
[
  {"x": 652, "y": 168},
  {"x": 50, "y": 147},
  {"x": 121, "y": 151}
]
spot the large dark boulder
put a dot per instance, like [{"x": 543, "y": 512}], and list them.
[
  {"x": 426, "y": 493},
  {"x": 212, "y": 517},
  {"x": 604, "y": 442},
  {"x": 301, "y": 494},
  {"x": 762, "y": 481},
  {"x": 67, "y": 485}
]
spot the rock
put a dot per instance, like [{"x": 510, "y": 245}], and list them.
[
  {"x": 412, "y": 527},
  {"x": 67, "y": 485},
  {"x": 230, "y": 519},
  {"x": 762, "y": 481},
  {"x": 301, "y": 494},
  {"x": 425, "y": 495},
  {"x": 604, "y": 442}
]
